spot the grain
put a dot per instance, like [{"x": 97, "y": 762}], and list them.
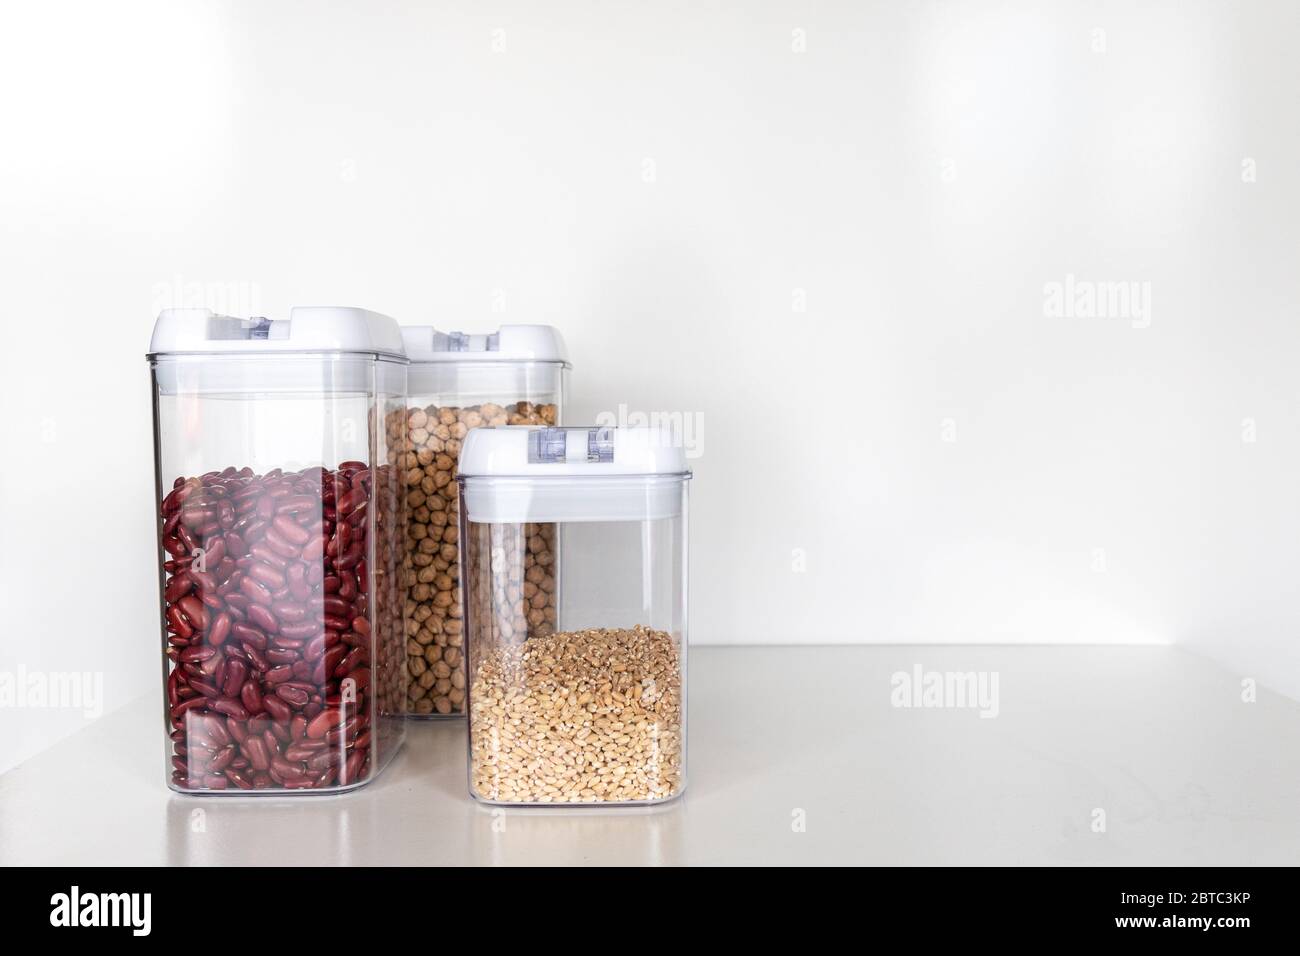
[{"x": 589, "y": 716}]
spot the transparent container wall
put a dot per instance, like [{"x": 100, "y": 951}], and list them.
[
  {"x": 593, "y": 712},
  {"x": 280, "y": 525},
  {"x": 447, "y": 400}
]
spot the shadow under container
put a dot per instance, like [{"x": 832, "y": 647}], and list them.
[
  {"x": 459, "y": 382},
  {"x": 594, "y": 712},
  {"x": 279, "y": 527}
]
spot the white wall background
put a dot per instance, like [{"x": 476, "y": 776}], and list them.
[{"x": 823, "y": 230}]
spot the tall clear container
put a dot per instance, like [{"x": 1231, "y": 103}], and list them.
[
  {"x": 280, "y": 522},
  {"x": 593, "y": 712},
  {"x": 459, "y": 382}
]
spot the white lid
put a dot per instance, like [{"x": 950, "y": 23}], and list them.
[
  {"x": 510, "y": 343},
  {"x": 529, "y": 451},
  {"x": 313, "y": 328},
  {"x": 525, "y": 473}
]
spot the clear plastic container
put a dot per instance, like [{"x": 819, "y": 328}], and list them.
[
  {"x": 280, "y": 520},
  {"x": 459, "y": 382},
  {"x": 595, "y": 711}
]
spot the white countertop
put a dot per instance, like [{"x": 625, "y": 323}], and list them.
[{"x": 1161, "y": 741}]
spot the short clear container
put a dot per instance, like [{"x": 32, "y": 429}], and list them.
[
  {"x": 459, "y": 382},
  {"x": 280, "y": 522},
  {"x": 593, "y": 712}
]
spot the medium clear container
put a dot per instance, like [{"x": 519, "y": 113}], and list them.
[
  {"x": 279, "y": 521},
  {"x": 593, "y": 712},
  {"x": 459, "y": 382}
]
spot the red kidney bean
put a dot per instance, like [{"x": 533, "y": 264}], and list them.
[
  {"x": 355, "y": 553},
  {"x": 217, "y": 551},
  {"x": 231, "y": 708},
  {"x": 238, "y": 779},
  {"x": 251, "y": 696},
  {"x": 300, "y": 753},
  {"x": 337, "y": 607},
  {"x": 293, "y": 696},
  {"x": 313, "y": 550},
  {"x": 345, "y": 731},
  {"x": 235, "y": 545},
  {"x": 204, "y": 688},
  {"x": 302, "y": 632},
  {"x": 285, "y": 767},
  {"x": 352, "y": 769},
  {"x": 268, "y": 575},
  {"x": 233, "y": 680},
  {"x": 348, "y": 587},
  {"x": 255, "y": 590},
  {"x": 211, "y": 666},
  {"x": 223, "y": 758},
  {"x": 256, "y": 657},
  {"x": 254, "y": 749},
  {"x": 321, "y": 724},
  {"x": 179, "y": 586},
  {"x": 220, "y": 630},
  {"x": 203, "y": 580},
  {"x": 334, "y": 656},
  {"x": 281, "y": 545},
  {"x": 290, "y": 531},
  {"x": 289, "y": 612},
  {"x": 277, "y": 708},
  {"x": 176, "y": 622},
  {"x": 352, "y": 500},
  {"x": 323, "y": 759},
  {"x": 265, "y": 555},
  {"x": 296, "y": 577},
  {"x": 279, "y": 674},
  {"x": 187, "y": 704},
  {"x": 314, "y": 650},
  {"x": 266, "y": 614},
  {"x": 351, "y": 661},
  {"x": 249, "y": 635},
  {"x": 263, "y": 618}
]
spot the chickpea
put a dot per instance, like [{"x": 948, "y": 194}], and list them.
[{"x": 430, "y": 572}]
